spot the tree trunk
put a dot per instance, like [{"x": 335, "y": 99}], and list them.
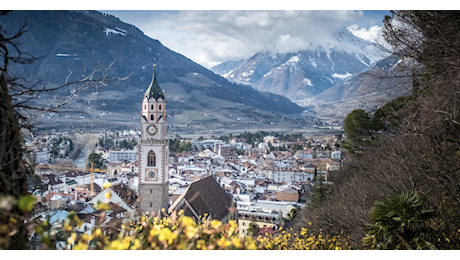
[{"x": 13, "y": 171}]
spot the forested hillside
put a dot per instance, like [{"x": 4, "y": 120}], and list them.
[{"x": 401, "y": 186}]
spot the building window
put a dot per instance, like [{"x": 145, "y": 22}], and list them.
[
  {"x": 152, "y": 107},
  {"x": 159, "y": 107},
  {"x": 151, "y": 191},
  {"x": 151, "y": 158},
  {"x": 151, "y": 117},
  {"x": 244, "y": 224},
  {"x": 145, "y": 107},
  {"x": 150, "y": 204}
]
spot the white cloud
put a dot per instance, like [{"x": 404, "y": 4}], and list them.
[
  {"x": 211, "y": 37},
  {"x": 223, "y": 35}
]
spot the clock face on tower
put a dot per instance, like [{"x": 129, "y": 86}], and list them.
[
  {"x": 151, "y": 175},
  {"x": 152, "y": 129}
]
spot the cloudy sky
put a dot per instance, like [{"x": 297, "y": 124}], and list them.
[{"x": 211, "y": 37}]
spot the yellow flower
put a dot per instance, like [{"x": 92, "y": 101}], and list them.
[
  {"x": 236, "y": 242},
  {"x": 251, "y": 246},
  {"x": 106, "y": 185},
  {"x": 107, "y": 195},
  {"x": 98, "y": 232},
  {"x": 190, "y": 231},
  {"x": 216, "y": 224},
  {"x": 222, "y": 242},
  {"x": 85, "y": 237},
  {"x": 80, "y": 246},
  {"x": 155, "y": 230},
  {"x": 136, "y": 245},
  {"x": 200, "y": 244},
  {"x": 187, "y": 221},
  {"x": 166, "y": 234}
]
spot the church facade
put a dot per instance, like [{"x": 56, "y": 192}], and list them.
[{"x": 153, "y": 152}]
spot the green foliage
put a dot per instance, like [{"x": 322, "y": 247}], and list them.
[
  {"x": 184, "y": 147},
  {"x": 96, "y": 159},
  {"x": 320, "y": 191},
  {"x": 386, "y": 117},
  {"x": 200, "y": 138},
  {"x": 128, "y": 145},
  {"x": 108, "y": 144},
  {"x": 253, "y": 137},
  {"x": 357, "y": 125},
  {"x": 26, "y": 203},
  {"x": 398, "y": 221},
  {"x": 291, "y": 215},
  {"x": 176, "y": 145},
  {"x": 296, "y": 148}
]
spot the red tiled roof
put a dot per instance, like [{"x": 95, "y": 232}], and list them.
[{"x": 266, "y": 231}]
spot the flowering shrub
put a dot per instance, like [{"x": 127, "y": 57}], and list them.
[
  {"x": 166, "y": 233},
  {"x": 180, "y": 232},
  {"x": 301, "y": 241}
]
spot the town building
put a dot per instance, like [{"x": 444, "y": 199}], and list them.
[
  {"x": 202, "y": 197},
  {"x": 121, "y": 156}
]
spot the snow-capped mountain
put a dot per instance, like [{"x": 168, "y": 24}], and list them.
[
  {"x": 373, "y": 34},
  {"x": 227, "y": 66},
  {"x": 309, "y": 72}
]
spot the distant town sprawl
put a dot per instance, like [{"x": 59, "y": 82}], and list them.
[{"x": 266, "y": 176}]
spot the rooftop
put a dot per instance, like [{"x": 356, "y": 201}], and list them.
[{"x": 154, "y": 90}]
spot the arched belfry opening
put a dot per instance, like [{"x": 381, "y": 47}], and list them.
[{"x": 151, "y": 158}]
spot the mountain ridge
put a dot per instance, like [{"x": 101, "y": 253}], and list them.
[
  {"x": 304, "y": 74},
  {"x": 78, "y": 41}
]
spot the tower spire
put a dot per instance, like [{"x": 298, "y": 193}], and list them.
[{"x": 154, "y": 90}]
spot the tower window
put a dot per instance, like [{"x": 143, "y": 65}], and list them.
[
  {"x": 151, "y": 158},
  {"x": 151, "y": 190},
  {"x": 151, "y": 204},
  {"x": 151, "y": 117},
  {"x": 145, "y": 107},
  {"x": 152, "y": 107},
  {"x": 159, "y": 107}
]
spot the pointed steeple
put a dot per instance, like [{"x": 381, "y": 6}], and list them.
[{"x": 154, "y": 90}]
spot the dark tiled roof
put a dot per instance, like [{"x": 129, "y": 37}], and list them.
[
  {"x": 206, "y": 196},
  {"x": 115, "y": 208},
  {"x": 154, "y": 90}
]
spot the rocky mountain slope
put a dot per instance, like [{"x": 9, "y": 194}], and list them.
[
  {"x": 79, "y": 41},
  {"x": 307, "y": 73},
  {"x": 385, "y": 79}
]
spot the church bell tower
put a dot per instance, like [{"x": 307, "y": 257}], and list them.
[{"x": 153, "y": 151}]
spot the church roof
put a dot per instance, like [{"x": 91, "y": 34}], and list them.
[
  {"x": 154, "y": 90},
  {"x": 205, "y": 196}
]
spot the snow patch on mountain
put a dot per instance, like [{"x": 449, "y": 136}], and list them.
[
  {"x": 114, "y": 31},
  {"x": 329, "y": 56},
  {"x": 372, "y": 34},
  {"x": 293, "y": 60},
  {"x": 342, "y": 76},
  {"x": 308, "y": 82},
  {"x": 312, "y": 61}
]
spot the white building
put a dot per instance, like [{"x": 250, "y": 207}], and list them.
[
  {"x": 118, "y": 156},
  {"x": 41, "y": 155},
  {"x": 336, "y": 155},
  {"x": 206, "y": 144},
  {"x": 289, "y": 176}
]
